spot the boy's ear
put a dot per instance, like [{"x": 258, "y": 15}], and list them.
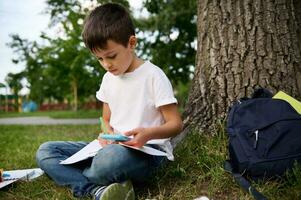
[{"x": 132, "y": 42}]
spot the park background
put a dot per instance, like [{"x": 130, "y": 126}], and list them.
[{"x": 213, "y": 52}]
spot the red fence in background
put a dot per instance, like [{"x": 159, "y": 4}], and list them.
[
  {"x": 91, "y": 105},
  {"x": 10, "y": 108},
  {"x": 63, "y": 106},
  {"x": 57, "y": 106}
]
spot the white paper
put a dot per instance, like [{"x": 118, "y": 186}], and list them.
[
  {"x": 23, "y": 174},
  {"x": 88, "y": 151},
  {"x": 5, "y": 183},
  {"x": 93, "y": 147},
  {"x": 148, "y": 150}
]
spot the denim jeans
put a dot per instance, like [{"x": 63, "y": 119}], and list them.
[{"x": 113, "y": 163}]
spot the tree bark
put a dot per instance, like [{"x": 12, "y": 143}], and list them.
[{"x": 243, "y": 44}]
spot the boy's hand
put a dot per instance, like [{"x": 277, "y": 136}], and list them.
[
  {"x": 141, "y": 136},
  {"x": 104, "y": 142}
]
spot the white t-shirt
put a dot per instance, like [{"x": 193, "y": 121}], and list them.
[{"x": 134, "y": 99}]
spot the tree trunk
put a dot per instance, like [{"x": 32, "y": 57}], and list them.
[{"x": 243, "y": 44}]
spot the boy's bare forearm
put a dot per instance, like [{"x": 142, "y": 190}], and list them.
[
  {"x": 108, "y": 128},
  {"x": 167, "y": 130},
  {"x": 173, "y": 123},
  {"x": 142, "y": 135},
  {"x": 106, "y": 115}
]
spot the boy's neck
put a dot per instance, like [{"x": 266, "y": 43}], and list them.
[{"x": 137, "y": 62}]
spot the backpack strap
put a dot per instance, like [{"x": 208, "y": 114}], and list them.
[{"x": 243, "y": 182}]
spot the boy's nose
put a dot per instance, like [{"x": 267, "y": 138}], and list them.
[{"x": 106, "y": 64}]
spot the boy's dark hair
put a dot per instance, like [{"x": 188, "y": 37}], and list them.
[{"x": 107, "y": 22}]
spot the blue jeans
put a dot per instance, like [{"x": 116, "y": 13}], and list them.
[{"x": 113, "y": 163}]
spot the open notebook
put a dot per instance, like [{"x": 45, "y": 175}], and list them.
[{"x": 93, "y": 147}]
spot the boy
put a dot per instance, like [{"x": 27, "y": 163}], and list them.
[{"x": 137, "y": 101}]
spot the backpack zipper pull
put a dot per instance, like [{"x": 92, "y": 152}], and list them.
[{"x": 256, "y": 139}]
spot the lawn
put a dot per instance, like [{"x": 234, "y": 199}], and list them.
[
  {"x": 198, "y": 169},
  {"x": 55, "y": 114}
]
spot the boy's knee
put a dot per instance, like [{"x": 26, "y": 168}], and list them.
[
  {"x": 113, "y": 156},
  {"x": 44, "y": 151},
  {"x": 110, "y": 158},
  {"x": 108, "y": 165}
]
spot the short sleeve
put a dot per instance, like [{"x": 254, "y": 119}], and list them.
[
  {"x": 101, "y": 93},
  {"x": 162, "y": 88}
]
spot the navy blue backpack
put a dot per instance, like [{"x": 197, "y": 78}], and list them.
[{"x": 264, "y": 139}]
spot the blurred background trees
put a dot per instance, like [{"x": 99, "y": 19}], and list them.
[{"x": 61, "y": 69}]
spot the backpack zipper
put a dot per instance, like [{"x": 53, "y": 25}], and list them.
[{"x": 256, "y": 139}]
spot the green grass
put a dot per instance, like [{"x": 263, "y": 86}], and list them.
[
  {"x": 198, "y": 169},
  {"x": 55, "y": 114}
]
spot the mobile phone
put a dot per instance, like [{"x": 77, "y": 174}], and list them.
[{"x": 115, "y": 137}]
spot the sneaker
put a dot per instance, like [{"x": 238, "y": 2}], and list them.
[{"x": 116, "y": 191}]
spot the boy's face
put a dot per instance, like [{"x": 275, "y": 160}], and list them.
[{"x": 116, "y": 58}]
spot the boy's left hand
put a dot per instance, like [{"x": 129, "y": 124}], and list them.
[{"x": 141, "y": 136}]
